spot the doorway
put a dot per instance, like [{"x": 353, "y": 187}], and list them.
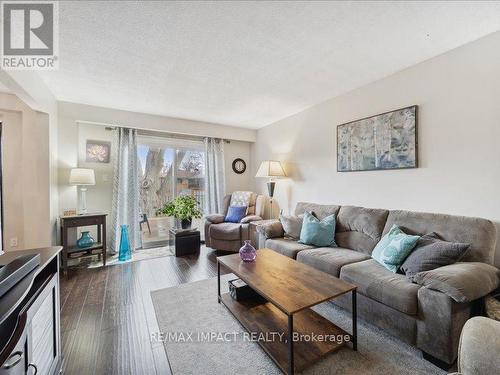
[{"x": 168, "y": 167}]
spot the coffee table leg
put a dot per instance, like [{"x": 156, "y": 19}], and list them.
[
  {"x": 218, "y": 281},
  {"x": 354, "y": 322},
  {"x": 291, "y": 367}
]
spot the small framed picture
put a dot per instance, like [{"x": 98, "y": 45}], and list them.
[{"x": 98, "y": 151}]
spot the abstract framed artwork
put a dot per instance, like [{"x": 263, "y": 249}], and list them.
[
  {"x": 98, "y": 151},
  {"x": 380, "y": 142}
]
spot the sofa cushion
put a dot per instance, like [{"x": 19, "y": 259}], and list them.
[
  {"x": 320, "y": 210},
  {"x": 380, "y": 284},
  {"x": 330, "y": 260},
  {"x": 479, "y": 233},
  {"x": 286, "y": 246},
  {"x": 464, "y": 282},
  {"x": 225, "y": 231},
  {"x": 360, "y": 228},
  {"x": 292, "y": 225}
]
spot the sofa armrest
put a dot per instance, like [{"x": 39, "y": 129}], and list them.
[
  {"x": 250, "y": 218},
  {"x": 272, "y": 229},
  {"x": 215, "y": 218},
  {"x": 440, "y": 321},
  {"x": 464, "y": 282},
  {"x": 479, "y": 347}
]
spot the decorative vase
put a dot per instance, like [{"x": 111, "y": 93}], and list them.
[
  {"x": 186, "y": 223},
  {"x": 85, "y": 240},
  {"x": 125, "y": 252},
  {"x": 248, "y": 252}
]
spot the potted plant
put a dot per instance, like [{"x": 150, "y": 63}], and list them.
[{"x": 183, "y": 208}]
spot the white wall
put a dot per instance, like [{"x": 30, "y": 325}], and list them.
[
  {"x": 25, "y": 175},
  {"x": 458, "y": 94},
  {"x": 234, "y": 181},
  {"x": 29, "y": 88}
]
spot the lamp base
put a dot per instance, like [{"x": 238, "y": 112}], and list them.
[
  {"x": 270, "y": 188},
  {"x": 83, "y": 201}
]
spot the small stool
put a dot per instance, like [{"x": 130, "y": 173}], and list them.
[{"x": 184, "y": 241}]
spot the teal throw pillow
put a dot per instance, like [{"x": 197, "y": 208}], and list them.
[
  {"x": 318, "y": 233},
  {"x": 393, "y": 248}
]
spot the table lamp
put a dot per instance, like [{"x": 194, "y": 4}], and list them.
[
  {"x": 82, "y": 177},
  {"x": 271, "y": 169}
]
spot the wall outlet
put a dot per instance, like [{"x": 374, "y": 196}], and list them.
[{"x": 13, "y": 242}]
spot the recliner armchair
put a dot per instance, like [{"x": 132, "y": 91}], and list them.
[{"x": 224, "y": 236}]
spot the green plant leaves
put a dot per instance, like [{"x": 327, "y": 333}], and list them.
[{"x": 183, "y": 207}]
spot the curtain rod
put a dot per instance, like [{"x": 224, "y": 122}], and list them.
[{"x": 158, "y": 133}]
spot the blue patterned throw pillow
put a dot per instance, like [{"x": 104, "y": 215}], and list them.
[
  {"x": 318, "y": 233},
  {"x": 235, "y": 214},
  {"x": 393, "y": 248}
]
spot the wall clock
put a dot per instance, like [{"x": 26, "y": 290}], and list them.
[{"x": 239, "y": 166}]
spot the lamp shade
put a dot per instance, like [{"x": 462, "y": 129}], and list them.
[
  {"x": 82, "y": 176},
  {"x": 270, "y": 168}
]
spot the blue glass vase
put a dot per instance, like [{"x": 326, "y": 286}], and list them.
[
  {"x": 85, "y": 240},
  {"x": 125, "y": 253}
]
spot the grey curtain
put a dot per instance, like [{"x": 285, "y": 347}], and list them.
[
  {"x": 125, "y": 205},
  {"x": 215, "y": 181}
]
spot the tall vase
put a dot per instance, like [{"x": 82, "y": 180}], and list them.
[
  {"x": 125, "y": 252},
  {"x": 248, "y": 252}
]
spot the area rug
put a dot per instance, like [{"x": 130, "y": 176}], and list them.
[{"x": 201, "y": 336}]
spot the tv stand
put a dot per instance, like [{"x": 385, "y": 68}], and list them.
[{"x": 30, "y": 339}]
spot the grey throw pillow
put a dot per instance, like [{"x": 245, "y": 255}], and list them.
[
  {"x": 292, "y": 225},
  {"x": 432, "y": 252}
]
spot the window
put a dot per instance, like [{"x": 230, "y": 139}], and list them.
[{"x": 168, "y": 167}]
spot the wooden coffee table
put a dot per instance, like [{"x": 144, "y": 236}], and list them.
[{"x": 290, "y": 289}]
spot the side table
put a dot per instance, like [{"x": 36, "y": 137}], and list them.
[
  {"x": 67, "y": 222},
  {"x": 184, "y": 241}
]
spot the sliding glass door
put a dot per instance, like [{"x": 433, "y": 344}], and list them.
[{"x": 168, "y": 167}]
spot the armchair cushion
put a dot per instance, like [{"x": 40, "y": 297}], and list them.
[
  {"x": 250, "y": 218},
  {"x": 273, "y": 229},
  {"x": 463, "y": 282},
  {"x": 215, "y": 218},
  {"x": 235, "y": 214}
]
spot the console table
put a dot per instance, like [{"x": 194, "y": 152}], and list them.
[{"x": 67, "y": 222}]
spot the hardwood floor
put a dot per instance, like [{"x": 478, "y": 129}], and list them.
[{"x": 107, "y": 315}]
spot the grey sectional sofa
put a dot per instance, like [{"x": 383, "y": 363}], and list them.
[{"x": 423, "y": 317}]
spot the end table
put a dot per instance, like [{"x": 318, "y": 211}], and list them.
[{"x": 71, "y": 251}]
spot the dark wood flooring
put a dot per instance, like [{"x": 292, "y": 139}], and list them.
[{"x": 107, "y": 315}]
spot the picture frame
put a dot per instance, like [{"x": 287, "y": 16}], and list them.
[
  {"x": 98, "y": 151},
  {"x": 385, "y": 141}
]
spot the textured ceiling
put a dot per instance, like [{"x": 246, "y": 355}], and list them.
[{"x": 247, "y": 63}]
